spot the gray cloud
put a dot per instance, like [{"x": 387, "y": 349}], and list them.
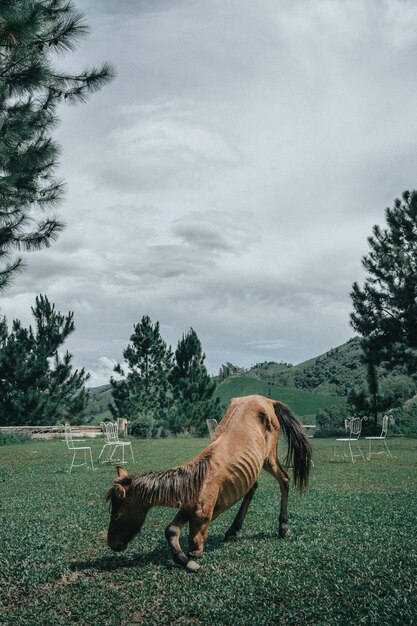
[
  {"x": 228, "y": 178},
  {"x": 202, "y": 237},
  {"x": 135, "y": 7}
]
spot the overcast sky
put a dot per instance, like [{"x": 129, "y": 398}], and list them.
[{"x": 229, "y": 177}]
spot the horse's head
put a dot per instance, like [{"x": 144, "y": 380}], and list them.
[{"x": 127, "y": 514}]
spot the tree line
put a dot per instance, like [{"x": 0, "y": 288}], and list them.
[{"x": 156, "y": 389}]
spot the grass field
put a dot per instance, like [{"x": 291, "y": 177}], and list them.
[
  {"x": 351, "y": 559},
  {"x": 302, "y": 402}
]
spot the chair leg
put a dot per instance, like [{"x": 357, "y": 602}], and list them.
[
  {"x": 359, "y": 448},
  {"x": 387, "y": 449},
  {"x": 91, "y": 459},
  {"x": 102, "y": 450},
  {"x": 131, "y": 452},
  {"x": 114, "y": 450}
]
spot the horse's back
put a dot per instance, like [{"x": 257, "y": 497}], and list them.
[{"x": 246, "y": 415}]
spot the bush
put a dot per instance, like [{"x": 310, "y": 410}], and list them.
[
  {"x": 144, "y": 427},
  {"x": 331, "y": 421},
  {"x": 405, "y": 419},
  {"x": 395, "y": 391},
  {"x": 7, "y": 439}
]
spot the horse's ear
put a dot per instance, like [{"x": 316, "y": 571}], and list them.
[
  {"x": 119, "y": 491},
  {"x": 116, "y": 491},
  {"x": 121, "y": 472}
]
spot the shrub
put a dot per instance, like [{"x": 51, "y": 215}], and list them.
[
  {"x": 330, "y": 421},
  {"x": 394, "y": 391},
  {"x": 143, "y": 427},
  {"x": 406, "y": 419},
  {"x": 10, "y": 438}
]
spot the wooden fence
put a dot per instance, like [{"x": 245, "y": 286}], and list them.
[{"x": 49, "y": 432}]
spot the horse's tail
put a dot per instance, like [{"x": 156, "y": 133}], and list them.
[{"x": 299, "y": 448}]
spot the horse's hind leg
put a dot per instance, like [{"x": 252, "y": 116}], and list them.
[
  {"x": 172, "y": 534},
  {"x": 241, "y": 514},
  {"x": 274, "y": 468}
]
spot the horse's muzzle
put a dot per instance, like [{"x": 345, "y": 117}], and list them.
[{"x": 117, "y": 547}]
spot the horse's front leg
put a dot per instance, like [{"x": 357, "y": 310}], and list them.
[
  {"x": 241, "y": 514},
  {"x": 172, "y": 534},
  {"x": 274, "y": 468},
  {"x": 199, "y": 526}
]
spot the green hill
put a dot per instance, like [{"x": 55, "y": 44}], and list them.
[
  {"x": 301, "y": 402},
  {"x": 335, "y": 372},
  {"x": 98, "y": 402}
]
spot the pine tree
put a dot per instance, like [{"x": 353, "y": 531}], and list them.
[
  {"x": 192, "y": 388},
  {"x": 37, "y": 384},
  {"x": 143, "y": 388},
  {"x": 31, "y": 33},
  {"x": 385, "y": 308}
]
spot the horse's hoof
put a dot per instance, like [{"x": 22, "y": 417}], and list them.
[
  {"x": 284, "y": 533},
  {"x": 230, "y": 536},
  {"x": 192, "y": 566}
]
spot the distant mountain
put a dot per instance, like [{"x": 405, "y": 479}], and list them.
[
  {"x": 334, "y": 372},
  {"x": 97, "y": 390},
  {"x": 99, "y": 399}
]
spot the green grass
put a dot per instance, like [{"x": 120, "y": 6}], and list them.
[
  {"x": 351, "y": 559},
  {"x": 302, "y": 402}
]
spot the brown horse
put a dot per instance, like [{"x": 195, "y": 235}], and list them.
[{"x": 244, "y": 443}]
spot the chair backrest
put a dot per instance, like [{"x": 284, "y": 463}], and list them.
[
  {"x": 355, "y": 427},
  {"x": 68, "y": 437},
  {"x": 110, "y": 432},
  {"x": 384, "y": 426}
]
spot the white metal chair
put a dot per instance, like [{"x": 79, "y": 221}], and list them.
[
  {"x": 70, "y": 441},
  {"x": 112, "y": 441},
  {"x": 211, "y": 425},
  {"x": 380, "y": 438},
  {"x": 354, "y": 428}
]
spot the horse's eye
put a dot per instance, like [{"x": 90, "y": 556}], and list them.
[{"x": 115, "y": 516}]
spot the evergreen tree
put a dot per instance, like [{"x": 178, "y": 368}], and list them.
[
  {"x": 31, "y": 88},
  {"x": 37, "y": 384},
  {"x": 385, "y": 308},
  {"x": 192, "y": 388},
  {"x": 143, "y": 389}
]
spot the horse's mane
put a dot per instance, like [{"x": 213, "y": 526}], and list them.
[{"x": 178, "y": 486}]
